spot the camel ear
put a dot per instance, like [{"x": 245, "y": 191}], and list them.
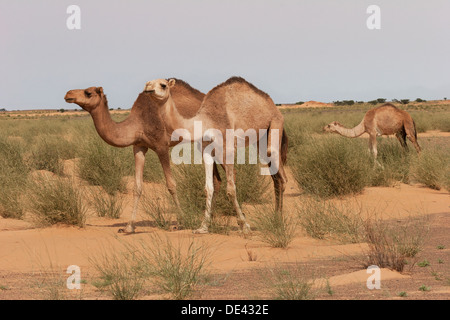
[
  {"x": 171, "y": 83},
  {"x": 99, "y": 91}
]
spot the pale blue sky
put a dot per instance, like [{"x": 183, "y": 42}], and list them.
[{"x": 292, "y": 49}]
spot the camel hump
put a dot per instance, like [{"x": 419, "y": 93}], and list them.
[{"x": 239, "y": 80}]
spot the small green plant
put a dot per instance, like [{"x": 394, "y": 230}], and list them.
[
  {"x": 275, "y": 228},
  {"x": 424, "y": 288},
  {"x": 441, "y": 247},
  {"x": 290, "y": 283},
  {"x": 436, "y": 276},
  {"x": 424, "y": 263},
  {"x": 120, "y": 275},
  {"x": 440, "y": 261},
  {"x": 176, "y": 270},
  {"x": 329, "y": 290},
  {"x": 403, "y": 294}
]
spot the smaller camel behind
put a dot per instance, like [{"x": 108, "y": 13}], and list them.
[{"x": 383, "y": 120}]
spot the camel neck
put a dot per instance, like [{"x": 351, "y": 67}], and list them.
[
  {"x": 117, "y": 134},
  {"x": 353, "y": 132}
]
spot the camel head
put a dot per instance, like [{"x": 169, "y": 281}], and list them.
[
  {"x": 88, "y": 99},
  {"x": 332, "y": 127},
  {"x": 159, "y": 88}
]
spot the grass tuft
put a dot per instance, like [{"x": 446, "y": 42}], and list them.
[
  {"x": 276, "y": 229},
  {"x": 56, "y": 200}
]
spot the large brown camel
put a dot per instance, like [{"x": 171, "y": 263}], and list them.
[
  {"x": 234, "y": 104},
  {"x": 143, "y": 129},
  {"x": 383, "y": 120}
]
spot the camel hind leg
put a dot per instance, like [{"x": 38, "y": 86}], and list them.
[
  {"x": 277, "y": 152},
  {"x": 279, "y": 184},
  {"x": 411, "y": 133},
  {"x": 401, "y": 136}
]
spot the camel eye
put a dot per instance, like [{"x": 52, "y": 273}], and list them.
[
  {"x": 163, "y": 85},
  {"x": 87, "y": 94}
]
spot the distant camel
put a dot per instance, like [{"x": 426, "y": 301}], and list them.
[
  {"x": 143, "y": 129},
  {"x": 234, "y": 104},
  {"x": 383, "y": 120}
]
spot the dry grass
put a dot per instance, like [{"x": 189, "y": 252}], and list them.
[
  {"x": 275, "y": 228},
  {"x": 105, "y": 204},
  {"x": 164, "y": 267},
  {"x": 327, "y": 220},
  {"x": 56, "y": 200},
  {"x": 390, "y": 244}
]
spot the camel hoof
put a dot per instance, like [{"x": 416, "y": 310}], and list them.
[{"x": 200, "y": 231}]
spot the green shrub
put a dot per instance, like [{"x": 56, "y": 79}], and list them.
[
  {"x": 391, "y": 244},
  {"x": 324, "y": 219},
  {"x": 290, "y": 283},
  {"x": 55, "y": 201},
  {"x": 107, "y": 205},
  {"x": 395, "y": 164},
  {"x": 331, "y": 166},
  {"x": 104, "y": 165},
  {"x": 275, "y": 228},
  {"x": 174, "y": 268},
  {"x": 13, "y": 178},
  {"x": 46, "y": 154},
  {"x": 431, "y": 168},
  {"x": 120, "y": 274}
]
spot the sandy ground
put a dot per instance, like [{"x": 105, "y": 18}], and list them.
[{"x": 29, "y": 254}]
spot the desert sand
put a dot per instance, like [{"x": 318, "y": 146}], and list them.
[{"x": 28, "y": 253}]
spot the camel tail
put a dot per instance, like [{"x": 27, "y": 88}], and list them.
[
  {"x": 415, "y": 131},
  {"x": 284, "y": 147}
]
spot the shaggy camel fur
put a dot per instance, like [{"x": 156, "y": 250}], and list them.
[
  {"x": 234, "y": 104},
  {"x": 143, "y": 129},
  {"x": 383, "y": 120}
]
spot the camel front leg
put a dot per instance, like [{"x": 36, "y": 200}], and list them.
[
  {"x": 164, "y": 158},
  {"x": 139, "y": 158},
  {"x": 231, "y": 193},
  {"x": 209, "y": 188}
]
